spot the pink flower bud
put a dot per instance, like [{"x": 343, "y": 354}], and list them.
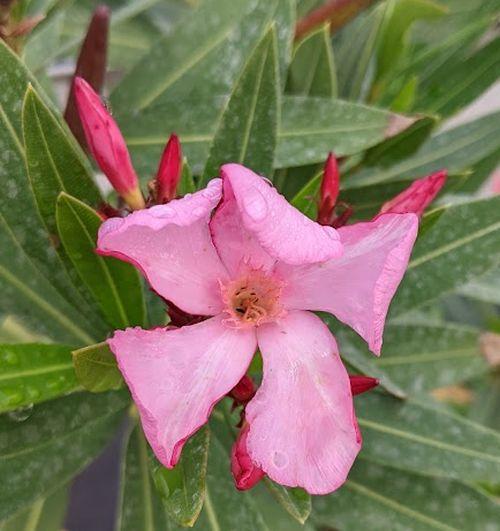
[
  {"x": 361, "y": 384},
  {"x": 243, "y": 391},
  {"x": 329, "y": 191},
  {"x": 245, "y": 472},
  {"x": 417, "y": 196},
  {"x": 169, "y": 171},
  {"x": 107, "y": 145}
]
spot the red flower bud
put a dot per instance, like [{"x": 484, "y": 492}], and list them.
[
  {"x": 107, "y": 145},
  {"x": 245, "y": 472},
  {"x": 169, "y": 171},
  {"x": 243, "y": 391},
  {"x": 329, "y": 191},
  {"x": 417, "y": 196},
  {"x": 361, "y": 384}
]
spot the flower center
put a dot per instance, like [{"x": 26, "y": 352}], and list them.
[{"x": 252, "y": 299}]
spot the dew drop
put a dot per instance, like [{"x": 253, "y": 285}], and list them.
[
  {"x": 10, "y": 358},
  {"x": 21, "y": 414}
]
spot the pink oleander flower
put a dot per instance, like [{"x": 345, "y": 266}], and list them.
[
  {"x": 107, "y": 145},
  {"x": 238, "y": 253}
]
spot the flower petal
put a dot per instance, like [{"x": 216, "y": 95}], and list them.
[
  {"x": 303, "y": 430},
  {"x": 176, "y": 376},
  {"x": 358, "y": 287},
  {"x": 171, "y": 245},
  {"x": 257, "y": 225}
]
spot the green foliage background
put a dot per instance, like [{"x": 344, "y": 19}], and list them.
[{"x": 226, "y": 76}]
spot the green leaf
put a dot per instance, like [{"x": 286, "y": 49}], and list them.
[
  {"x": 204, "y": 53},
  {"x": 182, "y": 488},
  {"x": 139, "y": 507},
  {"x": 312, "y": 71},
  {"x": 354, "y": 49},
  {"x": 61, "y": 437},
  {"x": 460, "y": 82},
  {"x": 114, "y": 284},
  {"x": 46, "y": 514},
  {"x": 296, "y": 501},
  {"x": 464, "y": 243},
  {"x": 247, "y": 130},
  {"x": 420, "y": 357},
  {"x": 399, "y": 17},
  {"x": 33, "y": 373},
  {"x": 96, "y": 368},
  {"x": 34, "y": 284},
  {"x": 43, "y": 43},
  {"x": 186, "y": 184},
  {"x": 380, "y": 497},
  {"x": 423, "y": 357},
  {"x": 225, "y": 507},
  {"x": 427, "y": 439},
  {"x": 485, "y": 288},
  {"x": 309, "y": 128},
  {"x": 353, "y": 348},
  {"x": 54, "y": 160},
  {"x": 456, "y": 149},
  {"x": 28, "y": 295}
]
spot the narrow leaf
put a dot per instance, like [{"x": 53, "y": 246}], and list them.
[
  {"x": 115, "y": 285},
  {"x": 182, "y": 489},
  {"x": 312, "y": 71},
  {"x": 34, "y": 283},
  {"x": 426, "y": 439},
  {"x": 247, "y": 129},
  {"x": 33, "y": 373},
  {"x": 96, "y": 368},
  {"x": 55, "y": 163},
  {"x": 58, "y": 439},
  {"x": 380, "y": 497},
  {"x": 139, "y": 507},
  {"x": 463, "y": 244},
  {"x": 296, "y": 502},
  {"x": 46, "y": 514},
  {"x": 456, "y": 149}
]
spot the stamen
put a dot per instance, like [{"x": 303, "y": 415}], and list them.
[{"x": 252, "y": 299}]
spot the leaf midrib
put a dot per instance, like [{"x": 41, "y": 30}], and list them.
[
  {"x": 35, "y": 372},
  {"x": 428, "y": 441},
  {"x": 397, "y": 506},
  {"x": 453, "y": 245}
]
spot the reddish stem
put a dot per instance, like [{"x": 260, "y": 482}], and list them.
[{"x": 337, "y": 12}]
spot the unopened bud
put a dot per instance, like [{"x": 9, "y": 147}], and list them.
[
  {"x": 417, "y": 197},
  {"x": 361, "y": 384},
  {"x": 329, "y": 190},
  {"x": 107, "y": 145},
  {"x": 245, "y": 472},
  {"x": 243, "y": 391},
  {"x": 169, "y": 171}
]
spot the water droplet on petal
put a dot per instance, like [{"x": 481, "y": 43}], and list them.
[
  {"x": 280, "y": 460},
  {"x": 255, "y": 205}
]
